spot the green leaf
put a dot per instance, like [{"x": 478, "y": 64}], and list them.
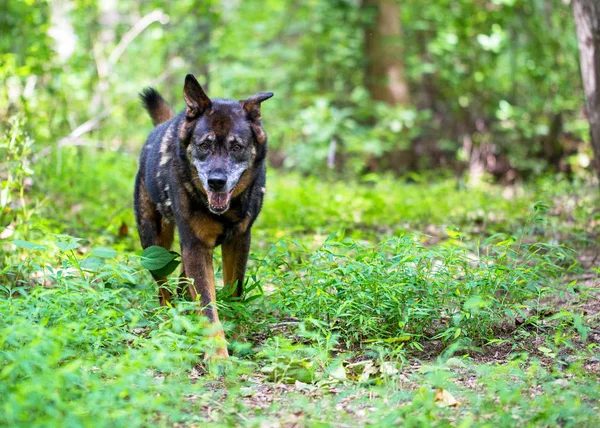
[
  {"x": 155, "y": 257},
  {"x": 19, "y": 243},
  {"x": 92, "y": 263},
  {"x": 453, "y": 232},
  {"x": 104, "y": 253},
  {"x": 475, "y": 303},
  {"x": 67, "y": 243},
  {"x": 167, "y": 269},
  {"x": 541, "y": 206},
  {"x": 580, "y": 327}
]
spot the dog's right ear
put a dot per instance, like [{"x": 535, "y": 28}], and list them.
[{"x": 196, "y": 100}]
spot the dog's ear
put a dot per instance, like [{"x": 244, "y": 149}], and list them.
[
  {"x": 252, "y": 108},
  {"x": 252, "y": 104},
  {"x": 196, "y": 100}
]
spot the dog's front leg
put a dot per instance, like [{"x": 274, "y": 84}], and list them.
[
  {"x": 198, "y": 265},
  {"x": 235, "y": 257}
]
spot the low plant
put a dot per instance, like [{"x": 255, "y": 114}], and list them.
[{"x": 402, "y": 293}]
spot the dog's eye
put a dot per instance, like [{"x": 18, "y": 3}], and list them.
[
  {"x": 237, "y": 147},
  {"x": 204, "y": 147}
]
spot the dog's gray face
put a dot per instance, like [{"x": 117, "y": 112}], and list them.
[
  {"x": 223, "y": 144},
  {"x": 220, "y": 151}
]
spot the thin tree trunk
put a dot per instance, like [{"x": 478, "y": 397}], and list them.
[
  {"x": 385, "y": 76},
  {"x": 385, "y": 71},
  {"x": 587, "y": 20}
]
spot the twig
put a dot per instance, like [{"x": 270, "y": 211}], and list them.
[
  {"x": 85, "y": 127},
  {"x": 283, "y": 324},
  {"x": 104, "y": 69},
  {"x": 135, "y": 31},
  {"x": 94, "y": 123}
]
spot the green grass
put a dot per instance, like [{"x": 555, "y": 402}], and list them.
[
  {"x": 369, "y": 303},
  {"x": 400, "y": 292}
]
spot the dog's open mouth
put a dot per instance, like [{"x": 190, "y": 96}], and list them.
[{"x": 218, "y": 202}]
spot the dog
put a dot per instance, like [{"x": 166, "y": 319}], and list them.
[{"x": 202, "y": 171}]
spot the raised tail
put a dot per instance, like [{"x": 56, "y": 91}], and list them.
[{"x": 156, "y": 106}]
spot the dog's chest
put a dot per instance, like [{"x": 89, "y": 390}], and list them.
[
  {"x": 213, "y": 232},
  {"x": 206, "y": 229}
]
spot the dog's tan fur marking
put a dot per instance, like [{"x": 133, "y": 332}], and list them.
[
  {"x": 196, "y": 182},
  {"x": 189, "y": 187},
  {"x": 242, "y": 183},
  {"x": 243, "y": 225},
  {"x": 206, "y": 229},
  {"x": 259, "y": 133}
]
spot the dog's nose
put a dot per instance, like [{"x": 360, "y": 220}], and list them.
[{"x": 217, "y": 181}]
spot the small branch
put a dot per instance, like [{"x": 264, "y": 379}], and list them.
[
  {"x": 104, "y": 69},
  {"x": 86, "y": 127},
  {"x": 80, "y": 142},
  {"x": 331, "y": 153},
  {"x": 94, "y": 122},
  {"x": 135, "y": 31}
]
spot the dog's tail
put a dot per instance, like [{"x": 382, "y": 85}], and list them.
[{"x": 156, "y": 106}]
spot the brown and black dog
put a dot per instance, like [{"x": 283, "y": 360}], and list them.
[{"x": 203, "y": 171}]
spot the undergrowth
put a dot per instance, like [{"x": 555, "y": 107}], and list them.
[
  {"x": 400, "y": 292},
  {"x": 380, "y": 323}
]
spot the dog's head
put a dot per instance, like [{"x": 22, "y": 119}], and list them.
[{"x": 224, "y": 139}]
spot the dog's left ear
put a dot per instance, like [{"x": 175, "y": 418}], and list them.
[{"x": 252, "y": 105}]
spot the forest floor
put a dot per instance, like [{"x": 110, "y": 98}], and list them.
[{"x": 376, "y": 302}]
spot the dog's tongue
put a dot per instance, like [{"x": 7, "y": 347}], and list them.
[{"x": 218, "y": 200}]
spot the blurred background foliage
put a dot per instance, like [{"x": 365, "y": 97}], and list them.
[
  {"x": 448, "y": 118},
  {"x": 480, "y": 88}
]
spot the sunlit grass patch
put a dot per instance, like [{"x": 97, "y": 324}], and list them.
[{"x": 402, "y": 293}]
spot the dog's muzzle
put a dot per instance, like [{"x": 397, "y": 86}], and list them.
[{"x": 218, "y": 202}]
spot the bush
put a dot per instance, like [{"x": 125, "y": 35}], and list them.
[{"x": 401, "y": 292}]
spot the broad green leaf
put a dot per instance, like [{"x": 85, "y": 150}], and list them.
[
  {"x": 104, "y": 253},
  {"x": 67, "y": 243},
  {"x": 92, "y": 263},
  {"x": 19, "y": 243},
  {"x": 338, "y": 372},
  {"x": 155, "y": 257},
  {"x": 167, "y": 269},
  {"x": 475, "y": 303}
]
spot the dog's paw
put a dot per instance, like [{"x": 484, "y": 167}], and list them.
[
  {"x": 217, "y": 361},
  {"x": 217, "y": 354}
]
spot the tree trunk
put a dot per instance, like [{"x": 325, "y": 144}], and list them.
[
  {"x": 384, "y": 74},
  {"x": 587, "y": 20},
  {"x": 385, "y": 77}
]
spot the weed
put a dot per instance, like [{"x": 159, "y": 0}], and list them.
[{"x": 400, "y": 292}]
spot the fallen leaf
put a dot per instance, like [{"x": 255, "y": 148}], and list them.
[
  {"x": 8, "y": 232},
  {"x": 388, "y": 369},
  {"x": 367, "y": 372},
  {"x": 338, "y": 373},
  {"x": 443, "y": 398},
  {"x": 455, "y": 362},
  {"x": 301, "y": 386}
]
